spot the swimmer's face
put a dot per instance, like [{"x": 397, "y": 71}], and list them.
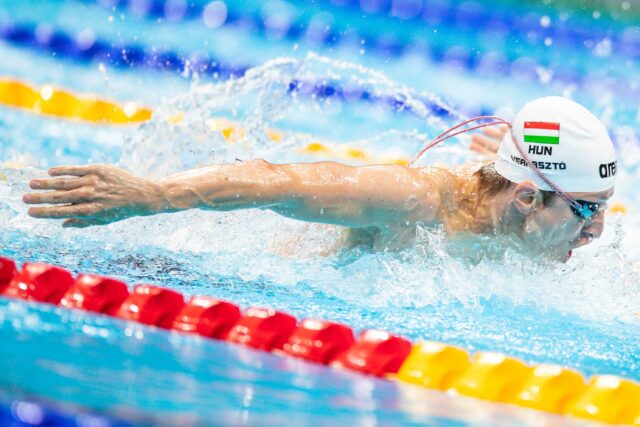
[{"x": 552, "y": 228}]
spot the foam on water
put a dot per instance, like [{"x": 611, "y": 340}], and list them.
[{"x": 472, "y": 291}]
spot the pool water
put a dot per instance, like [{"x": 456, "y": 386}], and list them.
[{"x": 582, "y": 314}]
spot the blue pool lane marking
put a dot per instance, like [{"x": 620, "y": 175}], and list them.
[
  {"x": 63, "y": 45},
  {"x": 24, "y": 413}
]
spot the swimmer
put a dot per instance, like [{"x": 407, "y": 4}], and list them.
[{"x": 547, "y": 188}]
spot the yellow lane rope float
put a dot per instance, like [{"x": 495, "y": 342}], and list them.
[
  {"x": 54, "y": 101},
  {"x": 232, "y": 133},
  {"x": 499, "y": 378}
]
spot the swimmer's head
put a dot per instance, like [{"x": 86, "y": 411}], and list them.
[
  {"x": 565, "y": 141},
  {"x": 572, "y": 148}
]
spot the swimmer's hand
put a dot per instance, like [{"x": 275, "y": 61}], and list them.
[
  {"x": 488, "y": 142},
  {"x": 94, "y": 195}
]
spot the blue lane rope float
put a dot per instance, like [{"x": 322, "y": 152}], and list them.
[
  {"x": 429, "y": 13},
  {"x": 27, "y": 412},
  {"x": 64, "y": 45},
  {"x": 536, "y": 25},
  {"x": 470, "y": 57}
]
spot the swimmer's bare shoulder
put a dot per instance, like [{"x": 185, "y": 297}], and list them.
[{"x": 324, "y": 192}]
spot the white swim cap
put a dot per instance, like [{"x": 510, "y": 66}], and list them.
[{"x": 564, "y": 141}]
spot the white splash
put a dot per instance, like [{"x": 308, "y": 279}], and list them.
[{"x": 600, "y": 282}]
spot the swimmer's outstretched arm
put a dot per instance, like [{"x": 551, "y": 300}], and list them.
[{"x": 323, "y": 192}]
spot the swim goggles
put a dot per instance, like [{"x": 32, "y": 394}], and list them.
[
  {"x": 582, "y": 208},
  {"x": 587, "y": 209}
]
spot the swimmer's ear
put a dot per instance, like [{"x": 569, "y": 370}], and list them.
[{"x": 527, "y": 197}]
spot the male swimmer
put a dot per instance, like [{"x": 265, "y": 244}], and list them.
[{"x": 547, "y": 188}]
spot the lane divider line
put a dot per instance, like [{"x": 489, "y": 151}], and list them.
[
  {"x": 67, "y": 46},
  {"x": 488, "y": 376},
  {"x": 467, "y": 54},
  {"x": 53, "y": 101},
  {"x": 57, "y": 102}
]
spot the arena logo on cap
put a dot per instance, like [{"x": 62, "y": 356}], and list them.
[
  {"x": 608, "y": 170},
  {"x": 542, "y": 133}
]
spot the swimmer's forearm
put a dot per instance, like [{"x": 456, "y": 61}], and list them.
[
  {"x": 224, "y": 187},
  {"x": 323, "y": 192}
]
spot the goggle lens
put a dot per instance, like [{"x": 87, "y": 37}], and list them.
[{"x": 587, "y": 209}]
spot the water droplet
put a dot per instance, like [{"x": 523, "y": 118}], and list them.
[
  {"x": 85, "y": 39},
  {"x": 545, "y": 21},
  {"x": 603, "y": 48},
  {"x": 215, "y": 14}
]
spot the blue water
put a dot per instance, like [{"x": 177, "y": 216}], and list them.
[
  {"x": 160, "y": 378},
  {"x": 581, "y": 314}
]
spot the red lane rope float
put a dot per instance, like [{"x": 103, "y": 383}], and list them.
[
  {"x": 318, "y": 341},
  {"x": 207, "y": 316},
  {"x": 489, "y": 376},
  {"x": 39, "y": 283},
  {"x": 95, "y": 293},
  {"x": 263, "y": 329},
  {"x": 8, "y": 271},
  {"x": 375, "y": 353},
  {"x": 152, "y": 305}
]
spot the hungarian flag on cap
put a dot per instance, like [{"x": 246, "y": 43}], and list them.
[{"x": 542, "y": 133}]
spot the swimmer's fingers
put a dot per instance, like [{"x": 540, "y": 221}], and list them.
[
  {"x": 496, "y": 132},
  {"x": 56, "y": 197},
  {"x": 66, "y": 211},
  {"x": 484, "y": 145},
  {"x": 486, "y": 142},
  {"x": 73, "y": 170},
  {"x": 58, "y": 183},
  {"x": 483, "y": 152}
]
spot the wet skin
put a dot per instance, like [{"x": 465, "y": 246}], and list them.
[{"x": 383, "y": 203}]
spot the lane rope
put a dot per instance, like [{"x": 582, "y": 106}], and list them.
[
  {"x": 486, "y": 375},
  {"x": 433, "y": 16},
  {"x": 64, "y": 45},
  {"x": 30, "y": 413},
  {"x": 54, "y": 101},
  {"x": 57, "y": 102}
]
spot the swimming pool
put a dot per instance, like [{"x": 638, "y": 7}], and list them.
[{"x": 580, "y": 315}]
